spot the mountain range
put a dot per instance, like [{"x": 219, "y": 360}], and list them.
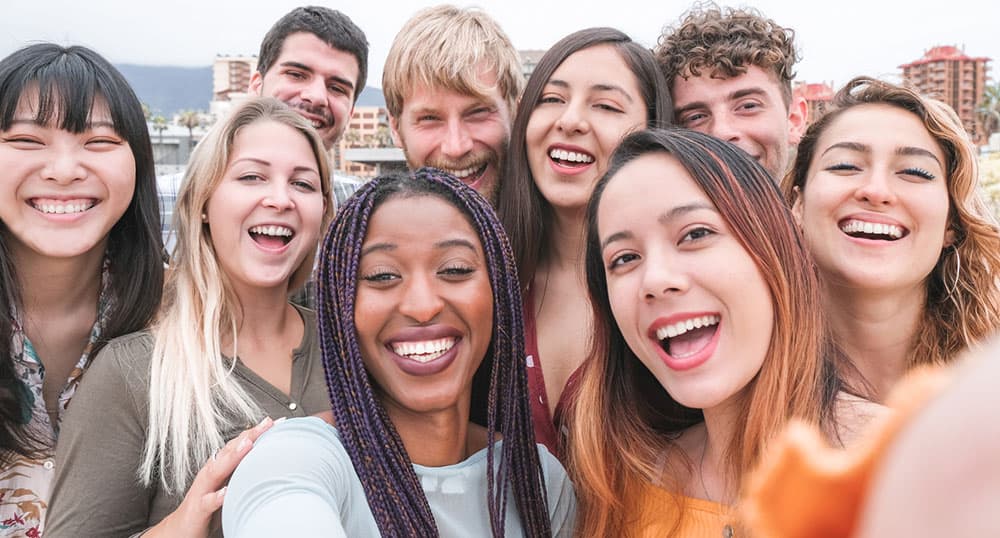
[{"x": 167, "y": 90}]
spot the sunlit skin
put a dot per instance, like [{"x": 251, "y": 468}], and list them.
[
  {"x": 423, "y": 281},
  {"x": 465, "y": 135},
  {"x": 63, "y": 191},
  {"x": 876, "y": 166},
  {"x": 747, "y": 111},
  {"x": 671, "y": 257},
  {"x": 272, "y": 186},
  {"x": 591, "y": 101},
  {"x": 315, "y": 79}
]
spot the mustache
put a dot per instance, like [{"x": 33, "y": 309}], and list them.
[
  {"x": 472, "y": 161},
  {"x": 321, "y": 112}
]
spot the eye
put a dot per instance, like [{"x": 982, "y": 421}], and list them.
[
  {"x": 304, "y": 184},
  {"x": 250, "y": 177},
  {"x": 297, "y": 75},
  {"x": 694, "y": 118},
  {"x": 919, "y": 172},
  {"x": 479, "y": 113},
  {"x": 621, "y": 260},
  {"x": 549, "y": 99},
  {"x": 105, "y": 141},
  {"x": 842, "y": 167},
  {"x": 22, "y": 140},
  {"x": 608, "y": 107},
  {"x": 697, "y": 233},
  {"x": 456, "y": 271},
  {"x": 380, "y": 276},
  {"x": 748, "y": 106},
  {"x": 338, "y": 89}
]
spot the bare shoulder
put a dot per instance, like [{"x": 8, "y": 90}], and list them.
[{"x": 854, "y": 415}]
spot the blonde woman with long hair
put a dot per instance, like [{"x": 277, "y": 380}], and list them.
[
  {"x": 885, "y": 188},
  {"x": 227, "y": 350}
]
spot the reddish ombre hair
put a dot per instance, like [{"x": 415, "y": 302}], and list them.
[{"x": 624, "y": 423}]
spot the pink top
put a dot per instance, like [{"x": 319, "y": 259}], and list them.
[{"x": 549, "y": 431}]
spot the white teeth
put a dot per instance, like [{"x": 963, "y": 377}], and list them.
[
  {"x": 681, "y": 327},
  {"x": 317, "y": 124},
  {"x": 62, "y": 209},
  {"x": 277, "y": 231},
  {"x": 871, "y": 228},
  {"x": 462, "y": 174},
  {"x": 571, "y": 156},
  {"x": 424, "y": 351}
]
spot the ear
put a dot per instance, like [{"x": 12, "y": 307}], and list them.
[
  {"x": 256, "y": 83},
  {"x": 797, "y": 205},
  {"x": 949, "y": 238},
  {"x": 394, "y": 131},
  {"x": 797, "y": 112}
]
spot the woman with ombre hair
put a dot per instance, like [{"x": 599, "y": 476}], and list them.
[
  {"x": 707, "y": 338},
  {"x": 885, "y": 188}
]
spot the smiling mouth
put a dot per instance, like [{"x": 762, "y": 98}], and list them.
[
  {"x": 570, "y": 159},
  {"x": 271, "y": 236},
  {"x": 469, "y": 175},
  {"x": 686, "y": 338},
  {"x": 872, "y": 230},
  {"x": 423, "y": 351},
  {"x": 66, "y": 207}
]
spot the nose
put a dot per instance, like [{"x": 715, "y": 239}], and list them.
[
  {"x": 662, "y": 277},
  {"x": 457, "y": 141},
  {"x": 420, "y": 301},
  {"x": 314, "y": 91},
  {"x": 65, "y": 167},
  {"x": 876, "y": 188},
  {"x": 724, "y": 127},
  {"x": 573, "y": 119},
  {"x": 279, "y": 196}
]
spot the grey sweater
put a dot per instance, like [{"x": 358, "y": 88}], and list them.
[{"x": 96, "y": 491}]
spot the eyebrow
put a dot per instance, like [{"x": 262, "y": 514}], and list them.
[
  {"x": 88, "y": 125},
  {"x": 600, "y": 87},
  {"x": 663, "y": 219},
  {"x": 268, "y": 163},
  {"x": 440, "y": 245},
  {"x": 306, "y": 68},
  {"x": 738, "y": 94},
  {"x": 903, "y": 150}
]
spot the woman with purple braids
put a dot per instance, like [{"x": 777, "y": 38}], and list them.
[{"x": 422, "y": 340}]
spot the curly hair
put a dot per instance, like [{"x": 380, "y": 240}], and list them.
[
  {"x": 724, "y": 42},
  {"x": 963, "y": 296}
]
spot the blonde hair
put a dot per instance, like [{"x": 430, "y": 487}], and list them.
[
  {"x": 963, "y": 295},
  {"x": 449, "y": 47},
  {"x": 193, "y": 397}
]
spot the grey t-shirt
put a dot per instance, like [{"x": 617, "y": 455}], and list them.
[
  {"x": 96, "y": 490},
  {"x": 298, "y": 480}
]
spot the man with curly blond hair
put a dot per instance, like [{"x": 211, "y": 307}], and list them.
[
  {"x": 730, "y": 73},
  {"x": 451, "y": 82}
]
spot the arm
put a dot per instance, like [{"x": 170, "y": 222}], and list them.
[
  {"x": 559, "y": 493},
  {"x": 95, "y": 490},
  {"x": 291, "y": 484}
]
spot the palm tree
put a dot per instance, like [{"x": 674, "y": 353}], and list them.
[
  {"x": 989, "y": 110},
  {"x": 352, "y": 138},
  {"x": 190, "y": 119},
  {"x": 383, "y": 138},
  {"x": 159, "y": 125}
]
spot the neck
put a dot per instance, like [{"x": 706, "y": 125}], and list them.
[
  {"x": 53, "y": 285},
  {"x": 264, "y": 314},
  {"x": 877, "y": 330},
  {"x": 437, "y": 438},
  {"x": 720, "y": 427},
  {"x": 567, "y": 239}
]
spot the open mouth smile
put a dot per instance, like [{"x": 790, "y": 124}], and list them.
[
  {"x": 50, "y": 206},
  {"x": 878, "y": 231},
  {"x": 271, "y": 236}
]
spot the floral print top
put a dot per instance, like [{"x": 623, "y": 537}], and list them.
[{"x": 24, "y": 484}]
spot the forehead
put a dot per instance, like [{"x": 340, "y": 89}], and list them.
[
  {"x": 454, "y": 93},
  {"x": 53, "y": 113},
  {"x": 598, "y": 64},
  {"x": 309, "y": 50},
  {"x": 881, "y": 127},
  {"x": 416, "y": 220},
  {"x": 710, "y": 89},
  {"x": 663, "y": 182}
]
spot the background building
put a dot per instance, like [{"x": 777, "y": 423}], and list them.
[
  {"x": 948, "y": 74},
  {"x": 230, "y": 81}
]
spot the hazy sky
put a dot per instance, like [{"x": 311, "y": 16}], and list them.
[{"x": 837, "y": 39}]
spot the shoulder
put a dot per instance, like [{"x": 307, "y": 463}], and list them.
[
  {"x": 559, "y": 492},
  {"x": 126, "y": 357}
]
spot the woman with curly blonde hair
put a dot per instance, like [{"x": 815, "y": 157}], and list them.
[{"x": 885, "y": 189}]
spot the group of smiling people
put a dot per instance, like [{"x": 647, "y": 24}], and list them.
[{"x": 604, "y": 342}]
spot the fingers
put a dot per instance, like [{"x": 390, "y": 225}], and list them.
[{"x": 214, "y": 474}]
